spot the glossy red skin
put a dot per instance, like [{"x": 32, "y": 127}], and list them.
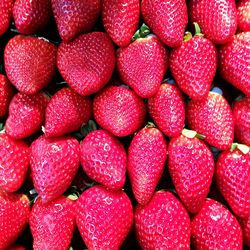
[
  {"x": 217, "y": 19},
  {"x": 163, "y": 223},
  {"x": 214, "y": 227},
  {"x": 6, "y": 14},
  {"x": 66, "y": 112},
  {"x": 142, "y": 65},
  {"x": 245, "y": 225},
  {"x": 147, "y": 155},
  {"x": 104, "y": 218},
  {"x": 212, "y": 118},
  {"x": 119, "y": 110},
  {"x": 87, "y": 63},
  {"x": 74, "y": 17},
  {"x": 30, "y": 63},
  {"x": 54, "y": 163},
  {"x": 233, "y": 62},
  {"x": 14, "y": 162},
  {"x": 166, "y": 19},
  {"x": 243, "y": 11},
  {"x": 193, "y": 66},
  {"x": 120, "y": 19},
  {"x": 52, "y": 225},
  {"x": 167, "y": 110}
]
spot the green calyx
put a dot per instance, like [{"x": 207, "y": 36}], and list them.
[
  {"x": 188, "y": 35},
  {"x": 242, "y": 147},
  {"x": 150, "y": 125},
  {"x": 141, "y": 33},
  {"x": 191, "y": 134}
]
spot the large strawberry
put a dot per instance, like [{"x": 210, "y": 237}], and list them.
[
  {"x": 30, "y": 63},
  {"x": 104, "y": 218},
  {"x": 243, "y": 11},
  {"x": 87, "y": 63},
  {"x": 54, "y": 163},
  {"x": 167, "y": 19},
  {"x": 214, "y": 227},
  {"x": 75, "y": 16},
  {"x": 6, "y": 14},
  {"x": 245, "y": 225}
]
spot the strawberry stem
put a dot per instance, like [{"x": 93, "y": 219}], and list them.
[
  {"x": 242, "y": 147},
  {"x": 187, "y": 36},
  {"x": 191, "y": 134},
  {"x": 141, "y": 33},
  {"x": 197, "y": 29}
]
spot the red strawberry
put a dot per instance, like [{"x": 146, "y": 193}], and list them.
[
  {"x": 212, "y": 117},
  {"x": 14, "y": 162},
  {"x": 54, "y": 163},
  {"x": 75, "y": 16},
  {"x": 147, "y": 155},
  {"x": 120, "y": 19},
  {"x": 87, "y": 63},
  {"x": 26, "y": 115},
  {"x": 31, "y": 16},
  {"x": 119, "y": 110},
  {"x": 30, "y": 63},
  {"x": 245, "y": 225},
  {"x": 243, "y": 11},
  {"x": 52, "y": 225},
  {"x": 234, "y": 60},
  {"x": 167, "y": 19},
  {"x": 214, "y": 227},
  {"x": 14, "y": 217},
  {"x": 163, "y": 223},
  {"x": 104, "y": 218},
  {"x": 66, "y": 112},
  {"x": 142, "y": 65},
  {"x": 217, "y": 19},
  {"x": 167, "y": 110},
  {"x": 6, "y": 14},
  {"x": 104, "y": 159}
]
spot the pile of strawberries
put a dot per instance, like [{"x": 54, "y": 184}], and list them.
[{"x": 120, "y": 137}]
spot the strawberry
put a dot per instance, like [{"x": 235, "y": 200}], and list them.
[
  {"x": 14, "y": 162},
  {"x": 163, "y": 223},
  {"x": 54, "y": 163},
  {"x": 217, "y": 19},
  {"x": 243, "y": 11},
  {"x": 52, "y": 225},
  {"x": 245, "y": 225},
  {"x": 104, "y": 218},
  {"x": 214, "y": 227},
  {"x": 66, "y": 112},
  {"x": 30, "y": 63},
  {"x": 87, "y": 63},
  {"x": 167, "y": 19},
  {"x": 234, "y": 60},
  {"x": 167, "y": 110},
  {"x": 103, "y": 159},
  {"x": 26, "y": 115},
  {"x": 75, "y": 16},
  {"x": 119, "y": 110},
  {"x": 147, "y": 155},
  {"x": 14, "y": 217},
  {"x": 6, "y": 14},
  {"x": 142, "y": 65},
  {"x": 212, "y": 117},
  {"x": 31, "y": 16}
]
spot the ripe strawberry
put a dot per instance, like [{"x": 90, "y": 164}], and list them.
[
  {"x": 104, "y": 218},
  {"x": 214, "y": 227},
  {"x": 87, "y": 63},
  {"x": 52, "y": 225},
  {"x": 167, "y": 110},
  {"x": 103, "y": 159},
  {"x": 212, "y": 117},
  {"x": 14, "y": 162},
  {"x": 75, "y": 16},
  {"x": 66, "y": 112},
  {"x": 163, "y": 223},
  {"x": 217, "y": 19},
  {"x": 245, "y": 225},
  {"x": 119, "y": 110},
  {"x": 54, "y": 163},
  {"x": 30, "y": 63},
  {"x": 147, "y": 155},
  {"x": 142, "y": 65},
  {"x": 234, "y": 60},
  {"x": 6, "y": 14},
  {"x": 243, "y": 11},
  {"x": 14, "y": 217}
]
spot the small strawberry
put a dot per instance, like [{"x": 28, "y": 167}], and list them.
[
  {"x": 14, "y": 162},
  {"x": 243, "y": 11},
  {"x": 104, "y": 218},
  {"x": 54, "y": 163},
  {"x": 87, "y": 63},
  {"x": 6, "y": 14},
  {"x": 245, "y": 225},
  {"x": 30, "y": 63},
  {"x": 119, "y": 110},
  {"x": 214, "y": 227},
  {"x": 167, "y": 110}
]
